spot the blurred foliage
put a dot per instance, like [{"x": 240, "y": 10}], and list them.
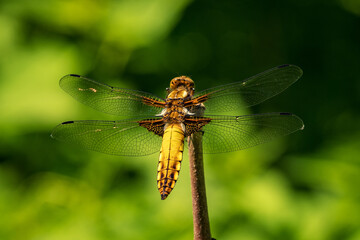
[{"x": 304, "y": 186}]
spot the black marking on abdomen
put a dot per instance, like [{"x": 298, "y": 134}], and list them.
[{"x": 68, "y": 122}]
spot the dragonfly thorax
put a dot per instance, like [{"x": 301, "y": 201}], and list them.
[{"x": 174, "y": 110}]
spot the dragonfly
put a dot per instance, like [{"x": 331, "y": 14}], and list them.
[{"x": 155, "y": 124}]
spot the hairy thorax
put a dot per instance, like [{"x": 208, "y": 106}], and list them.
[{"x": 175, "y": 111}]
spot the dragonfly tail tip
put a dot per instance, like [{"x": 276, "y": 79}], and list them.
[{"x": 164, "y": 196}]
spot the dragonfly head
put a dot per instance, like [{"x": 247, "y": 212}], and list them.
[{"x": 187, "y": 82}]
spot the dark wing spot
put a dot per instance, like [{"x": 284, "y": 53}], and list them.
[
  {"x": 68, "y": 122},
  {"x": 282, "y": 66},
  {"x": 284, "y": 113},
  {"x": 75, "y": 75}
]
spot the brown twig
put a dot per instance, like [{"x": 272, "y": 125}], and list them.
[{"x": 200, "y": 210}]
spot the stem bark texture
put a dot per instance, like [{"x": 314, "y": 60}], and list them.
[{"x": 199, "y": 202}]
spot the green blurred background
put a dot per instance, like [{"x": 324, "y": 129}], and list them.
[{"x": 302, "y": 186}]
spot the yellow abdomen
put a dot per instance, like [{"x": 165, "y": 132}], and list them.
[{"x": 171, "y": 154}]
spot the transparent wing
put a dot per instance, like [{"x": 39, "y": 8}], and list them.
[
  {"x": 235, "y": 96},
  {"x": 111, "y": 100},
  {"x": 124, "y": 138},
  {"x": 233, "y": 133}
]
